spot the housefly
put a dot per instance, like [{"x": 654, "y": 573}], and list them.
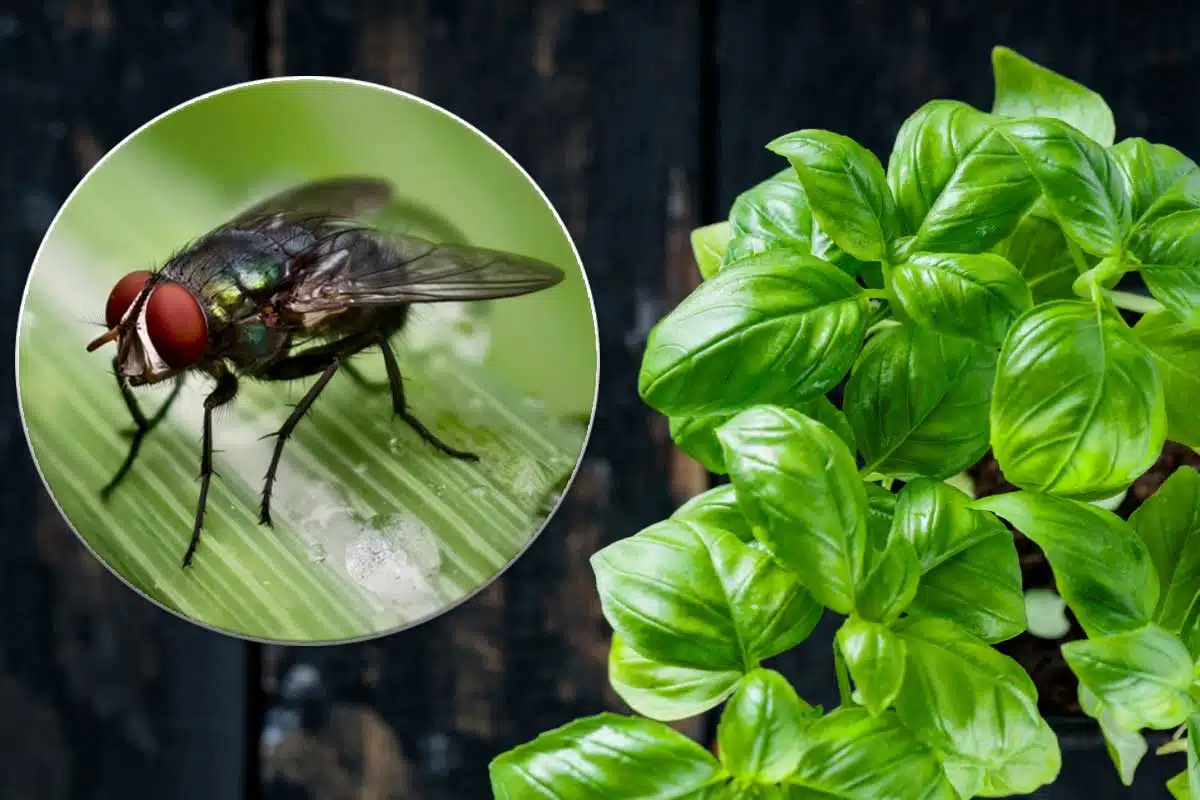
[{"x": 290, "y": 288}]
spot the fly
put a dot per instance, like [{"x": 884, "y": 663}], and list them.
[{"x": 290, "y": 288}]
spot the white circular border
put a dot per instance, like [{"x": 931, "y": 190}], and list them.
[{"x": 420, "y": 620}]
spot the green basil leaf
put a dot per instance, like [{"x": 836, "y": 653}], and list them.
[
  {"x": 851, "y": 755},
  {"x": 775, "y": 214},
  {"x": 761, "y": 728},
  {"x": 961, "y": 184},
  {"x": 971, "y": 574},
  {"x": 1077, "y": 407},
  {"x": 1178, "y": 786},
  {"x": 1150, "y": 170},
  {"x": 977, "y": 707},
  {"x": 717, "y": 508},
  {"x": 1169, "y": 251},
  {"x": 1101, "y": 567},
  {"x": 1142, "y": 676},
  {"x": 973, "y": 296},
  {"x": 1084, "y": 188},
  {"x": 890, "y": 584},
  {"x": 876, "y": 659},
  {"x": 663, "y": 691},
  {"x": 1175, "y": 350},
  {"x": 1027, "y": 89},
  {"x": 682, "y": 593},
  {"x": 1126, "y": 748},
  {"x": 708, "y": 247},
  {"x": 697, "y": 435},
  {"x": 607, "y": 755},
  {"x": 918, "y": 402},
  {"x": 784, "y": 328},
  {"x": 1169, "y": 523},
  {"x": 929, "y": 148},
  {"x": 846, "y": 188},
  {"x": 1038, "y": 249},
  {"x": 779, "y": 460}
]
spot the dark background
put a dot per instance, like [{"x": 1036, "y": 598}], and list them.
[{"x": 640, "y": 120}]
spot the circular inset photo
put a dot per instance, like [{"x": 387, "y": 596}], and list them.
[{"x": 307, "y": 360}]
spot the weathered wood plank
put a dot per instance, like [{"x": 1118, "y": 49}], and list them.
[
  {"x": 104, "y": 695},
  {"x": 597, "y": 101}
]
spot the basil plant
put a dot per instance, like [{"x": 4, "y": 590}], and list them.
[{"x": 962, "y": 298}]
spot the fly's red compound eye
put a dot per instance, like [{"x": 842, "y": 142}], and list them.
[
  {"x": 177, "y": 326},
  {"x": 123, "y": 295}
]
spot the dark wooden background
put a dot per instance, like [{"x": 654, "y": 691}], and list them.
[{"x": 640, "y": 120}]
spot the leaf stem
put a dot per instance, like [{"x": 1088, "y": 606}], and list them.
[
  {"x": 843, "y": 675},
  {"x": 1077, "y": 256},
  {"x": 876, "y": 294},
  {"x": 1175, "y": 746},
  {"x": 1134, "y": 302}
]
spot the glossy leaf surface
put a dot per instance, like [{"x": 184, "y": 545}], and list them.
[
  {"x": 708, "y": 247},
  {"x": 1077, "y": 408},
  {"x": 762, "y": 728},
  {"x": 1027, "y": 89},
  {"x": 783, "y": 328},
  {"x": 1101, "y": 567},
  {"x": 779, "y": 460},
  {"x": 664, "y": 691},
  {"x": 1169, "y": 523},
  {"x": 918, "y": 402},
  {"x": 1175, "y": 350},
  {"x": 1126, "y": 748},
  {"x": 876, "y": 659},
  {"x": 1038, "y": 250}
]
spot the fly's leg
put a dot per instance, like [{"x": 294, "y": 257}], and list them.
[
  {"x": 401, "y": 407},
  {"x": 285, "y": 432},
  {"x": 362, "y": 380},
  {"x": 226, "y": 390},
  {"x": 142, "y": 426}
]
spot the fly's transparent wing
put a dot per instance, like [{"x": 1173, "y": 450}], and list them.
[
  {"x": 360, "y": 268},
  {"x": 346, "y": 197}
]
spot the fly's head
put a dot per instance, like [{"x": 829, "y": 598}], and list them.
[{"x": 159, "y": 326}]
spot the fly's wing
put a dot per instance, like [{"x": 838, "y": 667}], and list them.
[
  {"x": 345, "y": 197},
  {"x": 360, "y": 268}
]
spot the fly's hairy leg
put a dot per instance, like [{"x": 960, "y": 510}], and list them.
[
  {"x": 142, "y": 426},
  {"x": 226, "y": 390},
  {"x": 324, "y": 359},
  {"x": 401, "y": 407}
]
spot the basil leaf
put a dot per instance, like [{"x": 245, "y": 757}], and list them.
[
  {"x": 971, "y": 574},
  {"x": 708, "y": 247},
  {"x": 1084, "y": 188},
  {"x": 928, "y": 150},
  {"x": 784, "y": 328},
  {"x": 607, "y": 755},
  {"x": 973, "y": 296},
  {"x": 961, "y": 184},
  {"x": 890, "y": 584},
  {"x": 663, "y": 691},
  {"x": 1178, "y": 786},
  {"x": 779, "y": 460},
  {"x": 1193, "y": 754},
  {"x": 697, "y": 435},
  {"x": 1125, "y": 748},
  {"x": 995, "y": 743},
  {"x": 1142, "y": 676},
  {"x": 1027, "y": 89},
  {"x": 761, "y": 728},
  {"x": 1101, "y": 567},
  {"x": 1038, "y": 249},
  {"x": 918, "y": 402},
  {"x": 1150, "y": 170},
  {"x": 1169, "y": 251},
  {"x": 849, "y": 753},
  {"x": 846, "y": 188},
  {"x": 1169, "y": 523},
  {"x": 1175, "y": 350},
  {"x": 1077, "y": 407},
  {"x": 876, "y": 659},
  {"x": 717, "y": 508},
  {"x": 775, "y": 215},
  {"x": 682, "y": 593}
]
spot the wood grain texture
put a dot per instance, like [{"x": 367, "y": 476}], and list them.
[
  {"x": 104, "y": 695},
  {"x": 606, "y": 123}
]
